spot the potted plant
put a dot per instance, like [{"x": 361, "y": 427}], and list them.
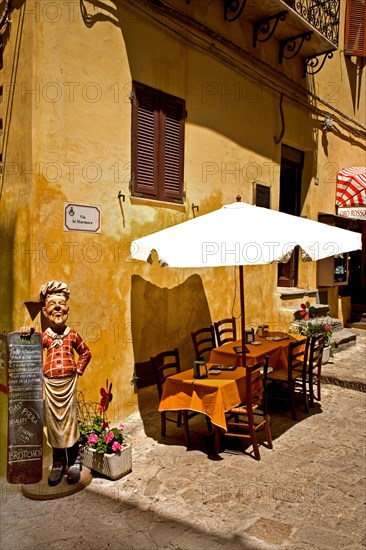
[
  {"x": 310, "y": 326},
  {"x": 104, "y": 447}
]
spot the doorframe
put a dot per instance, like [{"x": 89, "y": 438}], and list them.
[{"x": 292, "y": 159}]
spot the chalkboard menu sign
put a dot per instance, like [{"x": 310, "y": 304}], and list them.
[{"x": 25, "y": 410}]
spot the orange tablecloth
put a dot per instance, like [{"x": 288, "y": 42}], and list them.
[
  {"x": 276, "y": 350},
  {"x": 211, "y": 396}
]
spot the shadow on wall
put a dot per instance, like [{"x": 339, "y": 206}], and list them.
[
  {"x": 204, "y": 82},
  {"x": 163, "y": 319},
  {"x": 354, "y": 72}
]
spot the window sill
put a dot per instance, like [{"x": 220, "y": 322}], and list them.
[
  {"x": 288, "y": 292},
  {"x": 142, "y": 201}
]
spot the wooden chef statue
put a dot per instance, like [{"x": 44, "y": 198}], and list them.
[{"x": 60, "y": 372}]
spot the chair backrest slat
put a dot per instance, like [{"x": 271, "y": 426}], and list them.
[
  {"x": 203, "y": 340},
  {"x": 225, "y": 330},
  {"x": 317, "y": 344},
  {"x": 165, "y": 364},
  {"x": 256, "y": 383},
  {"x": 297, "y": 355}
]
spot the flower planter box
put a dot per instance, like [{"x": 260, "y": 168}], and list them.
[
  {"x": 326, "y": 354},
  {"x": 113, "y": 466}
]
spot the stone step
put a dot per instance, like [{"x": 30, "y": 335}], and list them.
[
  {"x": 347, "y": 369},
  {"x": 360, "y": 324},
  {"x": 356, "y": 385},
  {"x": 320, "y": 310},
  {"x": 336, "y": 324},
  {"x": 358, "y": 317},
  {"x": 342, "y": 339},
  {"x": 293, "y": 297}
]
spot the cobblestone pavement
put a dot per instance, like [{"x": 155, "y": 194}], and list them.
[{"x": 308, "y": 492}]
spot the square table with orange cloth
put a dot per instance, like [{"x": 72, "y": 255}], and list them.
[
  {"x": 277, "y": 352},
  {"x": 211, "y": 396}
]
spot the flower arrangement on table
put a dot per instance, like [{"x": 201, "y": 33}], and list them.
[
  {"x": 95, "y": 432},
  {"x": 310, "y": 326}
]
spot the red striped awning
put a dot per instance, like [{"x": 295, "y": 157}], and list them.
[{"x": 351, "y": 187}]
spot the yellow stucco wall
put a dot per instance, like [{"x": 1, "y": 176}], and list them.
[{"x": 69, "y": 141}]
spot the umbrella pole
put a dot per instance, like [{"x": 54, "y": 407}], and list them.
[{"x": 242, "y": 317}]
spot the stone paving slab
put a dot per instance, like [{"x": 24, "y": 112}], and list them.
[
  {"x": 347, "y": 368},
  {"x": 308, "y": 492}
]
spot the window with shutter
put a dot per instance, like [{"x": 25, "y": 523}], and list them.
[
  {"x": 157, "y": 144},
  {"x": 355, "y": 28},
  {"x": 262, "y": 195}
]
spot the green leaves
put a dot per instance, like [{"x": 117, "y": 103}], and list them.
[{"x": 96, "y": 434}]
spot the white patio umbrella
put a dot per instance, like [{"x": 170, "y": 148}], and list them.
[{"x": 241, "y": 234}]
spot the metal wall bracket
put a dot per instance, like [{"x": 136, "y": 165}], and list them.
[
  {"x": 291, "y": 47},
  {"x": 134, "y": 380},
  {"x": 263, "y": 30},
  {"x": 6, "y": 11},
  {"x": 233, "y": 9},
  {"x": 314, "y": 63}
]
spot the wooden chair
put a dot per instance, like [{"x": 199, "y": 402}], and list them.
[
  {"x": 225, "y": 330},
  {"x": 203, "y": 341},
  {"x": 245, "y": 420},
  {"x": 164, "y": 364},
  {"x": 295, "y": 374},
  {"x": 314, "y": 366}
]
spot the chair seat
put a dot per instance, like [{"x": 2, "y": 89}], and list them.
[
  {"x": 282, "y": 375},
  {"x": 242, "y": 409}
]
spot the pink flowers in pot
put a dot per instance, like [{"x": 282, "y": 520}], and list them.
[
  {"x": 92, "y": 440},
  {"x": 310, "y": 326},
  {"x": 95, "y": 432}
]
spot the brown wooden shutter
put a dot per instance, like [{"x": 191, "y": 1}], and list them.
[
  {"x": 172, "y": 110},
  {"x": 355, "y": 28},
  {"x": 145, "y": 117}
]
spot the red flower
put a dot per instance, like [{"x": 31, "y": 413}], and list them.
[
  {"x": 303, "y": 310},
  {"x": 307, "y": 311},
  {"x": 106, "y": 397}
]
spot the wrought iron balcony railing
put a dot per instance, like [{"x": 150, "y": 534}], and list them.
[
  {"x": 308, "y": 28},
  {"x": 322, "y": 15}
]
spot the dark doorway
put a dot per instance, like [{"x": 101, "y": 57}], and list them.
[
  {"x": 292, "y": 161},
  {"x": 356, "y": 287}
]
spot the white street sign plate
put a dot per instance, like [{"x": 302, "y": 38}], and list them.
[{"x": 82, "y": 217}]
